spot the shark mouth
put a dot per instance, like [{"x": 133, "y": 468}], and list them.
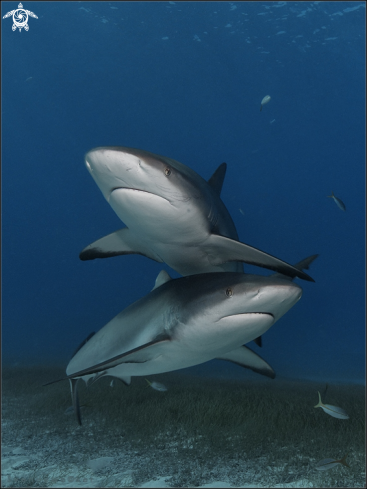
[
  {"x": 247, "y": 313},
  {"x": 129, "y": 189}
]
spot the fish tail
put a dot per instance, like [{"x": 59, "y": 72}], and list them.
[
  {"x": 332, "y": 195},
  {"x": 343, "y": 460},
  {"x": 319, "y": 403}
]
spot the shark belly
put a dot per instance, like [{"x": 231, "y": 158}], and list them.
[{"x": 167, "y": 229}]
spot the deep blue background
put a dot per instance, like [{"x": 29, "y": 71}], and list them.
[{"x": 87, "y": 74}]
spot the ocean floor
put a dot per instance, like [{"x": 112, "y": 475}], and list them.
[{"x": 201, "y": 432}]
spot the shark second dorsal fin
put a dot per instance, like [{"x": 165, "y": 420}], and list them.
[
  {"x": 161, "y": 279},
  {"x": 217, "y": 179}
]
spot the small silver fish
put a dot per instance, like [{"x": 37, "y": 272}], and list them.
[
  {"x": 157, "y": 386},
  {"x": 337, "y": 201},
  {"x": 335, "y": 412},
  {"x": 264, "y": 101},
  {"x": 241, "y": 211},
  {"x": 329, "y": 463}
]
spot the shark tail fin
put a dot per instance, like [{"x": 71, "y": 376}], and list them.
[{"x": 301, "y": 265}]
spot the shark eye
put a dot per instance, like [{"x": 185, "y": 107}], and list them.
[
  {"x": 229, "y": 293},
  {"x": 167, "y": 172}
]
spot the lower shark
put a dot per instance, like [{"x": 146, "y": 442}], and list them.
[
  {"x": 172, "y": 215},
  {"x": 185, "y": 322}
]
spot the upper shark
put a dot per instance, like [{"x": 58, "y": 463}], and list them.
[
  {"x": 185, "y": 322},
  {"x": 172, "y": 215}
]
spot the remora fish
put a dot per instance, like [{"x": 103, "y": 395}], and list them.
[
  {"x": 172, "y": 215},
  {"x": 185, "y": 322}
]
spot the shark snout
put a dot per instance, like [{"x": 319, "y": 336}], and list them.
[
  {"x": 281, "y": 298},
  {"x": 107, "y": 170}
]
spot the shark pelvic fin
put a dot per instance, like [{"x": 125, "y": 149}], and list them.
[
  {"x": 246, "y": 358},
  {"x": 121, "y": 242}
]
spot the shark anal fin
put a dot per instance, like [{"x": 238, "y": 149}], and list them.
[
  {"x": 217, "y": 179},
  {"x": 121, "y": 242},
  {"x": 75, "y": 399},
  {"x": 220, "y": 249},
  {"x": 246, "y": 358}
]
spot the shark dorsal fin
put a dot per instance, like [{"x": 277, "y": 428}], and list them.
[
  {"x": 217, "y": 179},
  {"x": 161, "y": 279}
]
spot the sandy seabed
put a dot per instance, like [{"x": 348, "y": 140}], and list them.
[{"x": 199, "y": 433}]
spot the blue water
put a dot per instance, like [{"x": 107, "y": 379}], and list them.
[{"x": 185, "y": 80}]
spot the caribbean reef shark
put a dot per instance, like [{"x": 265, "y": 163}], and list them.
[
  {"x": 172, "y": 215},
  {"x": 185, "y": 322}
]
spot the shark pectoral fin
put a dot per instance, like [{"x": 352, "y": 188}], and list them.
[
  {"x": 121, "y": 242},
  {"x": 217, "y": 179},
  {"x": 140, "y": 354},
  {"x": 220, "y": 249},
  {"x": 75, "y": 399},
  {"x": 246, "y": 358},
  {"x": 301, "y": 265}
]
